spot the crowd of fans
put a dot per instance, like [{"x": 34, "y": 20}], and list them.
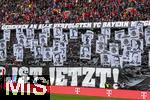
[
  {"x": 73, "y": 56},
  {"x": 73, "y": 51},
  {"x": 69, "y": 11},
  {"x": 72, "y": 11}
]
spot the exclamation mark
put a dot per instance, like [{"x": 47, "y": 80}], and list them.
[{"x": 115, "y": 76}]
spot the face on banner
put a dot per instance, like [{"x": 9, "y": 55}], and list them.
[
  {"x": 100, "y": 46},
  {"x": 2, "y": 54},
  {"x": 6, "y": 35},
  {"x": 43, "y": 39},
  {"x": 19, "y": 53},
  {"x": 102, "y": 38},
  {"x": 137, "y": 45},
  {"x": 105, "y": 58},
  {"x": 119, "y": 34},
  {"x": 135, "y": 58},
  {"x": 2, "y": 44},
  {"x": 106, "y": 31},
  {"x": 28, "y": 43},
  {"x": 38, "y": 52},
  {"x": 3, "y": 48},
  {"x": 17, "y": 48},
  {"x": 125, "y": 41},
  {"x": 14, "y": 49},
  {"x": 46, "y": 30},
  {"x": 133, "y": 32},
  {"x": 19, "y": 30},
  {"x": 114, "y": 48},
  {"x": 47, "y": 54},
  {"x": 126, "y": 54},
  {"x": 34, "y": 44},
  {"x": 64, "y": 38},
  {"x": 21, "y": 39},
  {"x": 147, "y": 36},
  {"x": 63, "y": 50},
  {"x": 57, "y": 59},
  {"x": 73, "y": 33},
  {"x": 57, "y": 32},
  {"x": 140, "y": 28},
  {"x": 87, "y": 39},
  {"x": 56, "y": 46},
  {"x": 85, "y": 52},
  {"x": 19, "y": 34},
  {"x": 30, "y": 33},
  {"x": 90, "y": 33},
  {"x": 116, "y": 61}
]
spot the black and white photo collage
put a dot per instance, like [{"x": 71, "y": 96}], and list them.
[{"x": 131, "y": 44}]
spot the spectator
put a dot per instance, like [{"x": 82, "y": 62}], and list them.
[{"x": 61, "y": 11}]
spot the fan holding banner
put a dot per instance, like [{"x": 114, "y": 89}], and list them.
[
  {"x": 6, "y": 35},
  {"x": 85, "y": 52},
  {"x": 19, "y": 53},
  {"x": 57, "y": 32},
  {"x": 47, "y": 54},
  {"x": 73, "y": 33}
]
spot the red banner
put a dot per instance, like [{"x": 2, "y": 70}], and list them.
[
  {"x": 109, "y": 93},
  {"x": 98, "y": 92}
]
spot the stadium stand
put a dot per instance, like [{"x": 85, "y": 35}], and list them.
[
  {"x": 71, "y": 11},
  {"x": 73, "y": 56},
  {"x": 66, "y": 11}
]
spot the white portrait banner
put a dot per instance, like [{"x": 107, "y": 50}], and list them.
[
  {"x": 73, "y": 33},
  {"x": 6, "y": 35}
]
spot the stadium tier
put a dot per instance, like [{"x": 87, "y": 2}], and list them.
[
  {"x": 79, "y": 57},
  {"x": 66, "y": 11},
  {"x": 71, "y": 46}
]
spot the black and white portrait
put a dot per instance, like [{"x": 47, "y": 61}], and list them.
[
  {"x": 2, "y": 54},
  {"x": 47, "y": 54},
  {"x": 147, "y": 36},
  {"x": 73, "y": 33},
  {"x": 63, "y": 49},
  {"x": 57, "y": 32},
  {"x": 6, "y": 35},
  {"x": 38, "y": 52},
  {"x": 135, "y": 58},
  {"x": 19, "y": 53},
  {"x": 43, "y": 39},
  {"x": 119, "y": 34},
  {"x": 133, "y": 32},
  {"x": 100, "y": 46},
  {"x": 64, "y": 37},
  {"x": 105, "y": 59},
  {"x": 137, "y": 45},
  {"x": 30, "y": 33},
  {"x": 28, "y": 43},
  {"x": 116, "y": 61},
  {"x": 19, "y": 30},
  {"x": 2, "y": 44},
  {"x": 21, "y": 39},
  {"x": 46, "y": 30},
  {"x": 87, "y": 39},
  {"x": 106, "y": 32},
  {"x": 57, "y": 59},
  {"x": 102, "y": 38},
  {"x": 140, "y": 27},
  {"x": 85, "y": 52},
  {"x": 114, "y": 48},
  {"x": 34, "y": 44},
  {"x": 125, "y": 41},
  {"x": 126, "y": 54},
  {"x": 56, "y": 46}
]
